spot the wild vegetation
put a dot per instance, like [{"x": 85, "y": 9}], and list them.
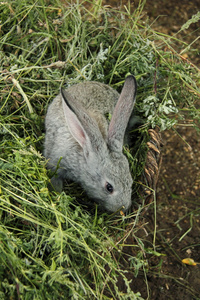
[{"x": 51, "y": 246}]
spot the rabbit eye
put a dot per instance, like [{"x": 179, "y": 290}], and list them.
[{"x": 109, "y": 188}]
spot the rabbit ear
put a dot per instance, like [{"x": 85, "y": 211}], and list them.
[
  {"x": 121, "y": 114},
  {"x": 82, "y": 127}
]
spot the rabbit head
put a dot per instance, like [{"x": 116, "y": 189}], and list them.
[{"x": 94, "y": 160}]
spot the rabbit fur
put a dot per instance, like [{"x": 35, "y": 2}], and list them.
[{"x": 87, "y": 146}]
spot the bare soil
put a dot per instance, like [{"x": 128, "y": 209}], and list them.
[
  {"x": 178, "y": 190},
  {"x": 177, "y": 222}
]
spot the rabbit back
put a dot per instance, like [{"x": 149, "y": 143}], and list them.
[{"x": 95, "y": 96}]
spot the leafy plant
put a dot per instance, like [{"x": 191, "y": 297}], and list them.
[{"x": 51, "y": 247}]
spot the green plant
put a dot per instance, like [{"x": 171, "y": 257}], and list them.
[{"x": 50, "y": 246}]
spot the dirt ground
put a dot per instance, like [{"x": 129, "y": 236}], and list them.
[
  {"x": 177, "y": 222},
  {"x": 178, "y": 189}
]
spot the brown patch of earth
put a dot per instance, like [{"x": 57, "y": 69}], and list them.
[
  {"x": 177, "y": 223},
  {"x": 178, "y": 191}
]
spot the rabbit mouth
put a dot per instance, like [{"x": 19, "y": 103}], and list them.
[{"x": 106, "y": 206}]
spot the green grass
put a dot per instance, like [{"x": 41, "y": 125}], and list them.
[{"x": 50, "y": 246}]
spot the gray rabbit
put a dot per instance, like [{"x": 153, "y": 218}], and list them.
[{"x": 86, "y": 146}]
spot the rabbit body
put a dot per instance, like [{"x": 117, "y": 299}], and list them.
[{"x": 87, "y": 146}]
